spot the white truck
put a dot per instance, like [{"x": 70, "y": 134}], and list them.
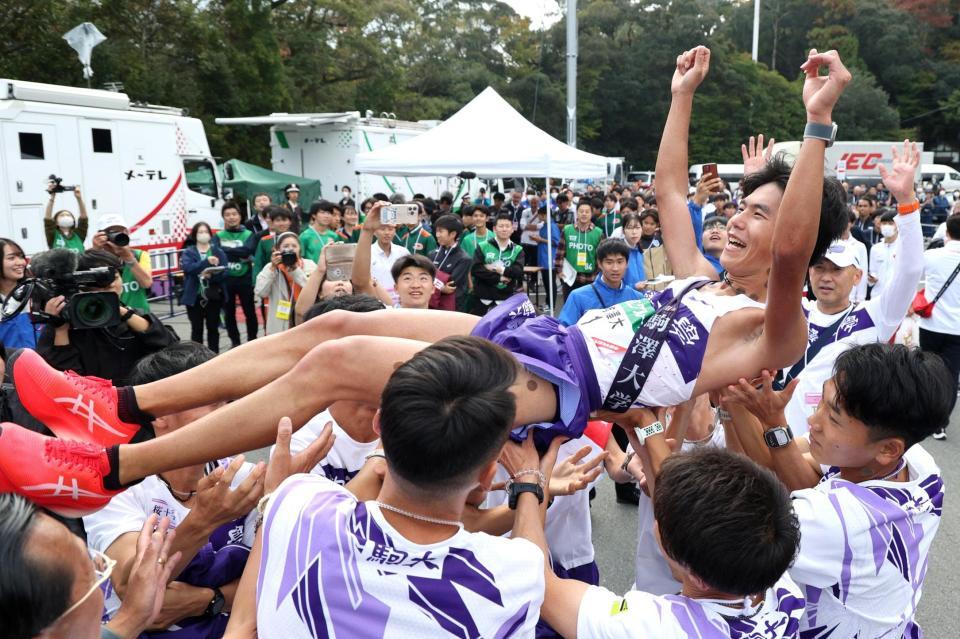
[
  {"x": 151, "y": 164},
  {"x": 853, "y": 162},
  {"x": 322, "y": 146}
]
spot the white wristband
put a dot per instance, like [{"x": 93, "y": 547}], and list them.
[{"x": 656, "y": 428}]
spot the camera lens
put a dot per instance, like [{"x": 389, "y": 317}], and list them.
[{"x": 92, "y": 311}]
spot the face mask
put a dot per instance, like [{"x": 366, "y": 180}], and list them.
[
  {"x": 888, "y": 230},
  {"x": 65, "y": 222},
  {"x": 203, "y": 238}
]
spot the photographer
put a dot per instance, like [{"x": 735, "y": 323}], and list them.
[
  {"x": 137, "y": 274},
  {"x": 62, "y": 230},
  {"x": 109, "y": 352},
  {"x": 204, "y": 276},
  {"x": 16, "y": 332},
  {"x": 281, "y": 281}
]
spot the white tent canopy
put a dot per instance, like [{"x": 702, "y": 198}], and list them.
[{"x": 486, "y": 137}]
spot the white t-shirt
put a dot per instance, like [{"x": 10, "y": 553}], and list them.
[
  {"x": 334, "y": 567},
  {"x": 875, "y": 320},
  {"x": 381, "y": 263},
  {"x": 568, "y": 528},
  {"x": 345, "y": 458},
  {"x": 864, "y": 550},
  {"x": 652, "y": 572},
  {"x": 527, "y": 217},
  {"x": 641, "y": 615},
  {"x": 939, "y": 264},
  {"x": 883, "y": 261},
  {"x": 127, "y": 511}
]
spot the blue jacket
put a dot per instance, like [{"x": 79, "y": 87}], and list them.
[
  {"x": 544, "y": 259},
  {"x": 192, "y": 264},
  {"x": 635, "y": 271},
  {"x": 18, "y": 332},
  {"x": 696, "y": 216},
  {"x": 587, "y": 298}
]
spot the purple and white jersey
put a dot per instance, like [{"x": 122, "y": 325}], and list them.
[
  {"x": 608, "y": 332},
  {"x": 864, "y": 550},
  {"x": 868, "y": 322},
  {"x": 638, "y": 615},
  {"x": 345, "y": 458},
  {"x": 334, "y": 567}
]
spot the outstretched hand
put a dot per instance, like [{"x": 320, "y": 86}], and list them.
[
  {"x": 899, "y": 180},
  {"x": 766, "y": 404},
  {"x": 821, "y": 92},
  {"x": 282, "y": 464},
  {"x": 755, "y": 156},
  {"x": 573, "y": 474},
  {"x": 692, "y": 68}
]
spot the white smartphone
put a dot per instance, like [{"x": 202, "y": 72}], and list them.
[{"x": 400, "y": 214}]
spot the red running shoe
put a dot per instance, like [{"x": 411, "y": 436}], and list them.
[
  {"x": 73, "y": 407},
  {"x": 63, "y": 476}
]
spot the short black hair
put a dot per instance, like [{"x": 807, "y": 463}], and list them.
[
  {"x": 563, "y": 198},
  {"x": 894, "y": 390},
  {"x": 710, "y": 504},
  {"x": 869, "y": 197},
  {"x": 232, "y": 204},
  {"x": 612, "y": 246},
  {"x": 714, "y": 219},
  {"x": 595, "y": 203},
  {"x": 645, "y": 213},
  {"x": 355, "y": 303},
  {"x": 833, "y": 204},
  {"x": 953, "y": 227},
  {"x": 451, "y": 223},
  {"x": 413, "y": 260},
  {"x": 447, "y": 412},
  {"x": 631, "y": 217},
  {"x": 379, "y": 197},
  {"x": 650, "y": 200},
  {"x": 503, "y": 216},
  {"x": 170, "y": 361},
  {"x": 482, "y": 209},
  {"x": 322, "y": 205},
  {"x": 499, "y": 196},
  {"x": 276, "y": 212},
  {"x": 628, "y": 203},
  {"x": 466, "y": 210},
  {"x": 34, "y": 591},
  {"x": 446, "y": 198},
  {"x": 887, "y": 214},
  {"x": 97, "y": 258}
]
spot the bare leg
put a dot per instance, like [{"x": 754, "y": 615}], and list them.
[
  {"x": 245, "y": 369},
  {"x": 363, "y": 366}
]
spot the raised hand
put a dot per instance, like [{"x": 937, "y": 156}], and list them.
[
  {"x": 820, "y": 93},
  {"x": 573, "y": 474},
  {"x": 900, "y": 179},
  {"x": 766, "y": 404},
  {"x": 282, "y": 464},
  {"x": 692, "y": 68},
  {"x": 218, "y": 503},
  {"x": 755, "y": 156}
]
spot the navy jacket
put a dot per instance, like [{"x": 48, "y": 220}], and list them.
[{"x": 192, "y": 265}]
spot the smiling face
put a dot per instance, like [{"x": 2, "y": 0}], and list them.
[
  {"x": 14, "y": 263},
  {"x": 231, "y": 218},
  {"x": 503, "y": 229},
  {"x": 414, "y": 287},
  {"x": 584, "y": 213},
  {"x": 750, "y": 232}
]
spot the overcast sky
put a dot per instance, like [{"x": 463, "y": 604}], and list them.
[{"x": 539, "y": 11}]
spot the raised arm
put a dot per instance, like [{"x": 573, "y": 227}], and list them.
[
  {"x": 898, "y": 293},
  {"x": 672, "y": 179},
  {"x": 362, "y": 280},
  {"x": 797, "y": 223}
]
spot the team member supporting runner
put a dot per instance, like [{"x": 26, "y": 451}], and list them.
[
  {"x": 769, "y": 251},
  {"x": 835, "y": 323},
  {"x": 402, "y": 565},
  {"x": 709, "y": 505},
  {"x": 867, "y": 522}
]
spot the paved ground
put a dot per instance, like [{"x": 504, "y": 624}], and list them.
[{"x": 615, "y": 533}]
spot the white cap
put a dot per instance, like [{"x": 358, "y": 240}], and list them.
[
  {"x": 110, "y": 220},
  {"x": 843, "y": 255}
]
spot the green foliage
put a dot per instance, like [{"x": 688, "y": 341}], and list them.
[{"x": 423, "y": 59}]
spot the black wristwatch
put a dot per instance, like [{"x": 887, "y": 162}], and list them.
[
  {"x": 215, "y": 607},
  {"x": 517, "y": 487},
  {"x": 130, "y": 313},
  {"x": 778, "y": 437}
]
